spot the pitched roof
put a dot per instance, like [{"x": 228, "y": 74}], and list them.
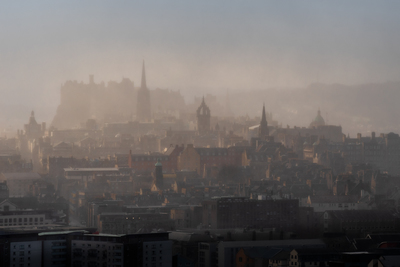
[
  {"x": 211, "y": 150},
  {"x": 21, "y": 176}
]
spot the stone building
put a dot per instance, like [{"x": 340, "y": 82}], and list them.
[
  {"x": 359, "y": 221},
  {"x": 198, "y": 158},
  {"x": 158, "y": 183},
  {"x": 203, "y": 118},
  {"x": 318, "y": 121},
  {"x": 236, "y": 212},
  {"x": 19, "y": 183}
]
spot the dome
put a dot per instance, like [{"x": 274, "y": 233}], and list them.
[
  {"x": 318, "y": 121},
  {"x": 158, "y": 164}
]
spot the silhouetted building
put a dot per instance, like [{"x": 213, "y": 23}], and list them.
[
  {"x": 263, "y": 131},
  {"x": 143, "y": 112},
  {"x": 318, "y": 121},
  {"x": 80, "y": 248},
  {"x": 158, "y": 177},
  {"x": 203, "y": 118},
  {"x": 235, "y": 212},
  {"x": 33, "y": 129}
]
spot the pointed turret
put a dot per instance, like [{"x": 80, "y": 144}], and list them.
[
  {"x": 263, "y": 131},
  {"x": 143, "y": 112},
  {"x": 263, "y": 116},
  {"x": 143, "y": 83},
  {"x": 203, "y": 118},
  {"x": 32, "y": 119}
]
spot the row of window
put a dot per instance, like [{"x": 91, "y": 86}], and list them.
[{"x": 10, "y": 220}]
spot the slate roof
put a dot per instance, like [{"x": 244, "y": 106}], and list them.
[{"x": 213, "y": 151}]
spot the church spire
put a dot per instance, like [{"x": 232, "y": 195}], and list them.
[
  {"x": 263, "y": 116},
  {"x": 143, "y": 107},
  {"x": 143, "y": 84},
  {"x": 263, "y": 131}
]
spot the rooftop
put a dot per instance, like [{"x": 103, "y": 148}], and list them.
[{"x": 91, "y": 169}]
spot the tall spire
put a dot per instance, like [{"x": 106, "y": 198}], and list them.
[
  {"x": 143, "y": 108},
  {"x": 143, "y": 84},
  {"x": 263, "y": 131},
  {"x": 264, "y": 117}
]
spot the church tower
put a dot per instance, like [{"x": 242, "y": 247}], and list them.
[
  {"x": 203, "y": 118},
  {"x": 263, "y": 131},
  {"x": 159, "y": 177},
  {"x": 143, "y": 112}
]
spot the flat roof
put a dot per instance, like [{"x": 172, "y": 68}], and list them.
[
  {"x": 91, "y": 169},
  {"x": 62, "y": 232},
  {"x": 273, "y": 243},
  {"x": 21, "y": 175}
]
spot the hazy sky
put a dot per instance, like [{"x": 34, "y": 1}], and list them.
[{"x": 212, "y": 44}]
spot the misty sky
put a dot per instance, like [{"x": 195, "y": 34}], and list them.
[{"x": 195, "y": 44}]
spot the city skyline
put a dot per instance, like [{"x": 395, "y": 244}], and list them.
[{"x": 221, "y": 45}]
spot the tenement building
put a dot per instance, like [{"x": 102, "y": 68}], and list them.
[{"x": 237, "y": 212}]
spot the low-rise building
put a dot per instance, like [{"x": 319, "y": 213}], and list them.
[
  {"x": 19, "y": 183},
  {"x": 234, "y": 212}
]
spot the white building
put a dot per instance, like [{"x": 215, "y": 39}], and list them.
[{"x": 326, "y": 203}]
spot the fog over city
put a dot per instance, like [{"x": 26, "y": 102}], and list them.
[
  {"x": 200, "y": 133},
  {"x": 204, "y": 47}
]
